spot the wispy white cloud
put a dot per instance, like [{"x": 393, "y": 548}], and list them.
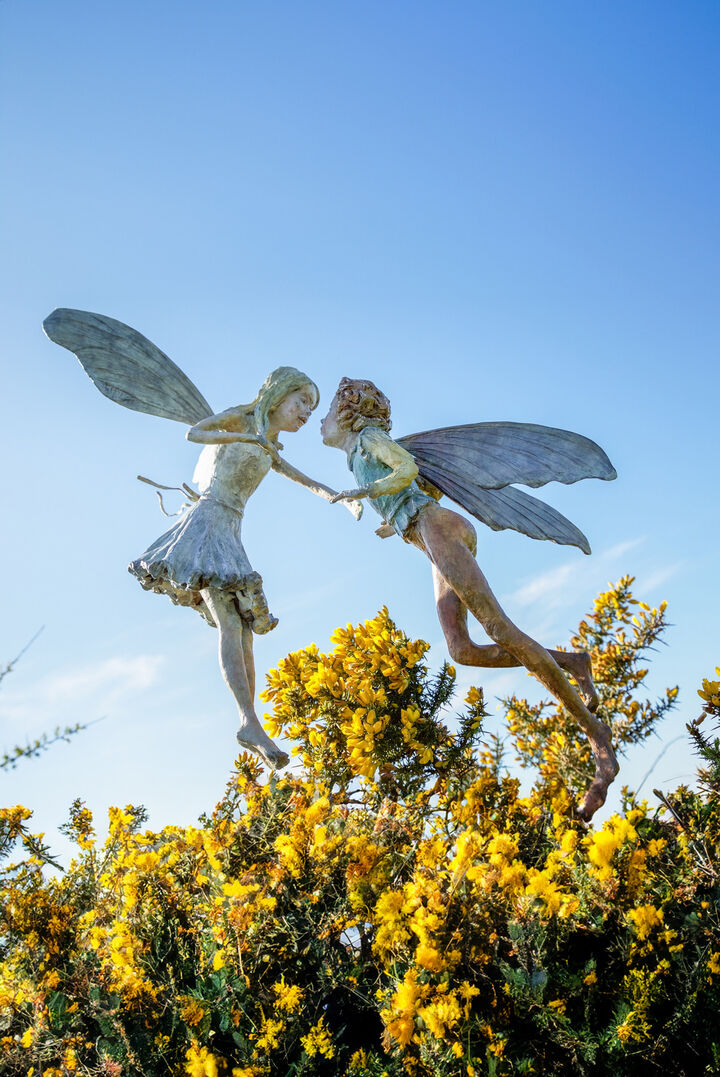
[
  {"x": 548, "y": 584},
  {"x": 563, "y": 584},
  {"x": 660, "y": 576},
  {"x": 78, "y": 693},
  {"x": 613, "y": 553},
  {"x": 126, "y": 675}
]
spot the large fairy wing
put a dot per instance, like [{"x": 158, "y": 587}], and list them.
[
  {"x": 127, "y": 367},
  {"x": 476, "y": 464},
  {"x": 514, "y": 509},
  {"x": 493, "y": 455}
]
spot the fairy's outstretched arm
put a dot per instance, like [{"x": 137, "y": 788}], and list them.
[
  {"x": 227, "y": 427},
  {"x": 403, "y": 469},
  {"x": 284, "y": 468}
]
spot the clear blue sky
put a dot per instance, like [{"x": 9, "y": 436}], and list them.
[{"x": 496, "y": 211}]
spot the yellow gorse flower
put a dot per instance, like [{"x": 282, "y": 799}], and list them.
[
  {"x": 289, "y": 996},
  {"x": 319, "y": 1041},
  {"x": 644, "y": 919},
  {"x": 603, "y": 844},
  {"x": 710, "y": 691},
  {"x": 200, "y": 1062}
]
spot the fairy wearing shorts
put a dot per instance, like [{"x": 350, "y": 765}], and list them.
[{"x": 476, "y": 465}]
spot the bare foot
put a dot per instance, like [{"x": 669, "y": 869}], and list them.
[
  {"x": 578, "y": 664},
  {"x": 606, "y": 768},
  {"x": 257, "y": 741}
]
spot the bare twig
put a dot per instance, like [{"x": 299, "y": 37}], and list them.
[{"x": 11, "y": 665}]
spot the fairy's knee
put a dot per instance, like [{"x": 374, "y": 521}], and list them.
[
  {"x": 461, "y": 650},
  {"x": 464, "y": 532}
]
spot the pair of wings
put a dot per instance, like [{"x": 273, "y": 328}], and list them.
[{"x": 476, "y": 465}]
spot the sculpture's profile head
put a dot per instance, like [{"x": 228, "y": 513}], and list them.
[
  {"x": 357, "y": 403},
  {"x": 285, "y": 401}
]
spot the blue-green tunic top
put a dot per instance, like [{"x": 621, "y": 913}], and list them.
[{"x": 398, "y": 510}]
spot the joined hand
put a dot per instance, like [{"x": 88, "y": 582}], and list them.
[{"x": 349, "y": 495}]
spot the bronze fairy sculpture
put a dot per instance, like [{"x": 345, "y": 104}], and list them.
[
  {"x": 200, "y": 561},
  {"x": 476, "y": 465}
]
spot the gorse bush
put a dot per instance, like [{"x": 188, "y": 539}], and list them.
[{"x": 394, "y": 905}]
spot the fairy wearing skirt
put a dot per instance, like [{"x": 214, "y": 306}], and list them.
[
  {"x": 477, "y": 466},
  {"x": 200, "y": 561}
]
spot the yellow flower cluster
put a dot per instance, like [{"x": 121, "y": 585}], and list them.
[
  {"x": 200, "y": 1062},
  {"x": 710, "y": 691},
  {"x": 409, "y": 717},
  {"x": 120, "y": 952},
  {"x": 289, "y": 996},
  {"x": 644, "y": 918},
  {"x": 439, "y": 1009},
  {"x": 269, "y": 1035},
  {"x": 191, "y": 1011},
  {"x": 348, "y": 691},
  {"x": 399, "y": 1016},
  {"x": 602, "y": 845},
  {"x": 318, "y": 1041},
  {"x": 542, "y": 885}
]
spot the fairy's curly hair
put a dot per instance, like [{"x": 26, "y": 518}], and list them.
[{"x": 360, "y": 403}]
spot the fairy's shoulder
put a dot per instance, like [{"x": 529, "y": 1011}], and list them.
[
  {"x": 374, "y": 437},
  {"x": 239, "y": 419}
]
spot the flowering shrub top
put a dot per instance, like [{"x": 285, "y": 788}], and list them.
[{"x": 393, "y": 906}]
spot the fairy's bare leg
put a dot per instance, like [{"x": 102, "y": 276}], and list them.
[
  {"x": 247, "y": 645},
  {"x": 238, "y": 669},
  {"x": 449, "y": 541},
  {"x": 452, "y": 615}
]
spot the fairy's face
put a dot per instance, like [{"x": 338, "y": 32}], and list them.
[
  {"x": 330, "y": 430},
  {"x": 293, "y": 411}
]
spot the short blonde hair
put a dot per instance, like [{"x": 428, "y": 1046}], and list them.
[{"x": 359, "y": 404}]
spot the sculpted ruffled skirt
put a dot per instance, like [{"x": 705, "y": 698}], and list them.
[{"x": 204, "y": 549}]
